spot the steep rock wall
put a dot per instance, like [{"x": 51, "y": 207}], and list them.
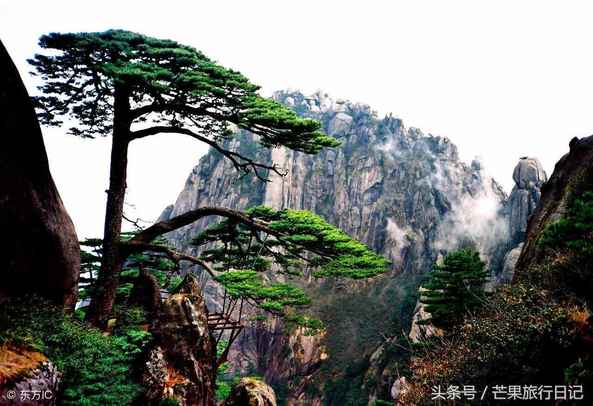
[
  {"x": 405, "y": 194},
  {"x": 39, "y": 252}
]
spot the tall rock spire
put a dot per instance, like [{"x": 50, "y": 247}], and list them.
[{"x": 529, "y": 177}]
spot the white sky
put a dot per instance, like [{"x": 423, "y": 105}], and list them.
[{"x": 502, "y": 79}]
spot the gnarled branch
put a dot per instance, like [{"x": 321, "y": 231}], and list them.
[
  {"x": 163, "y": 227},
  {"x": 240, "y": 162},
  {"x": 130, "y": 247}
]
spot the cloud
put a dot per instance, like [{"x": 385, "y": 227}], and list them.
[
  {"x": 397, "y": 240},
  {"x": 475, "y": 218}
]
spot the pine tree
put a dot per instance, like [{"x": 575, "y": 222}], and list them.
[
  {"x": 294, "y": 240},
  {"x": 240, "y": 254},
  {"x": 131, "y": 86},
  {"x": 454, "y": 287}
]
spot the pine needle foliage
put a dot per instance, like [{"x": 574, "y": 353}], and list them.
[
  {"x": 296, "y": 238},
  {"x": 166, "y": 272},
  {"x": 273, "y": 298},
  {"x": 97, "y": 369},
  {"x": 575, "y": 230},
  {"x": 175, "y": 83},
  {"x": 131, "y": 86},
  {"x": 454, "y": 288},
  {"x": 296, "y": 241}
]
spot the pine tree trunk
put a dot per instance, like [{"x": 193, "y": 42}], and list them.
[{"x": 111, "y": 264}]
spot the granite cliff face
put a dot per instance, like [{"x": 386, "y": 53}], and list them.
[
  {"x": 404, "y": 193},
  {"x": 529, "y": 177},
  {"x": 548, "y": 307}
]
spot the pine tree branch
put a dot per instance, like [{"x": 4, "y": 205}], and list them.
[
  {"x": 163, "y": 227},
  {"x": 130, "y": 247},
  {"x": 240, "y": 162}
]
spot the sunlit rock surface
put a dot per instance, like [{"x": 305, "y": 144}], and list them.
[
  {"x": 510, "y": 261},
  {"x": 420, "y": 331},
  {"x": 529, "y": 177}
]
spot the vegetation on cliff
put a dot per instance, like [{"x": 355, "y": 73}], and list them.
[
  {"x": 131, "y": 86},
  {"x": 292, "y": 241},
  {"x": 97, "y": 369},
  {"x": 536, "y": 331}
]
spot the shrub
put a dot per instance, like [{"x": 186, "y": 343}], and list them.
[
  {"x": 569, "y": 246},
  {"x": 521, "y": 336},
  {"x": 97, "y": 369},
  {"x": 224, "y": 379}
]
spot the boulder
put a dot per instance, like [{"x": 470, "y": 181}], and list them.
[
  {"x": 418, "y": 330},
  {"x": 529, "y": 173},
  {"x": 509, "y": 263},
  {"x": 41, "y": 254},
  {"x": 340, "y": 124},
  {"x": 251, "y": 392},
  {"x": 399, "y": 388}
]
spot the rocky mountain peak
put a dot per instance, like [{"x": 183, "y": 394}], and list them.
[{"x": 404, "y": 193}]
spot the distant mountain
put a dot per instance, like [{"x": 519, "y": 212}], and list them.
[{"x": 404, "y": 193}]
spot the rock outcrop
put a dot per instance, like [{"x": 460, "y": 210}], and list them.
[
  {"x": 40, "y": 252},
  {"x": 509, "y": 264},
  {"x": 251, "y": 392},
  {"x": 182, "y": 365},
  {"x": 27, "y": 378},
  {"x": 418, "y": 330},
  {"x": 573, "y": 174},
  {"x": 529, "y": 177},
  {"x": 549, "y": 308},
  {"x": 404, "y": 193},
  {"x": 399, "y": 388},
  {"x": 288, "y": 360}
]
